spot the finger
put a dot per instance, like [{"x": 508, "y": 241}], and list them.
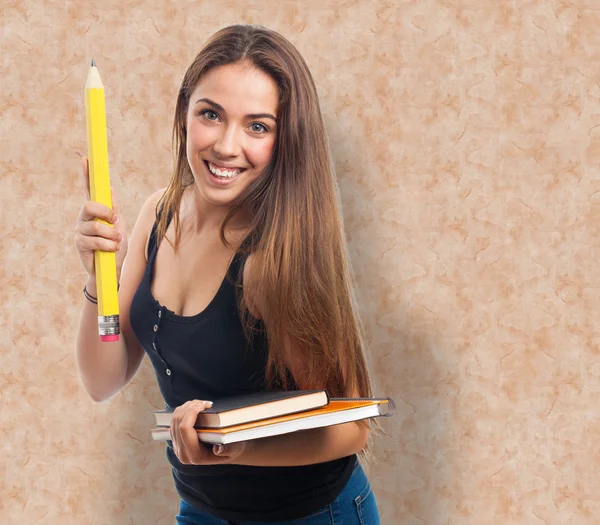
[
  {"x": 178, "y": 445},
  {"x": 229, "y": 451},
  {"x": 99, "y": 229},
  {"x": 175, "y": 438},
  {"x": 180, "y": 411},
  {"x": 95, "y": 210},
  {"x": 220, "y": 450},
  {"x": 189, "y": 437},
  {"x": 91, "y": 244},
  {"x": 86, "y": 175}
]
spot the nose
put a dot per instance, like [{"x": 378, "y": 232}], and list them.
[{"x": 228, "y": 143}]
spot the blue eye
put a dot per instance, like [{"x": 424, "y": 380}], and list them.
[
  {"x": 208, "y": 114},
  {"x": 257, "y": 127}
]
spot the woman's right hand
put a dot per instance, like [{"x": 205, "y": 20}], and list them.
[{"x": 91, "y": 235}]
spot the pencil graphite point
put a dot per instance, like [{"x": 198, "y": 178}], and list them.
[{"x": 93, "y": 63}]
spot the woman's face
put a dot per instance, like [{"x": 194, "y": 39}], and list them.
[{"x": 231, "y": 130}]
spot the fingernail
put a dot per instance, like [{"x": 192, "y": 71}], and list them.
[
  {"x": 218, "y": 449},
  {"x": 119, "y": 237},
  {"x": 118, "y": 246},
  {"x": 208, "y": 403},
  {"x": 115, "y": 219}
]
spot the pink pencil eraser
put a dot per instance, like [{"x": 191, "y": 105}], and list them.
[{"x": 109, "y": 338}]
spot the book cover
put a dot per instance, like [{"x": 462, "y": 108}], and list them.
[{"x": 239, "y": 409}]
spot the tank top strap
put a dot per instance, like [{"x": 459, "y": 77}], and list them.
[
  {"x": 152, "y": 241},
  {"x": 237, "y": 264}
]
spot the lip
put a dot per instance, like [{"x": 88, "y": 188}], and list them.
[{"x": 225, "y": 167}]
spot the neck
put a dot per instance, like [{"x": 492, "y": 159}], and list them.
[{"x": 203, "y": 217}]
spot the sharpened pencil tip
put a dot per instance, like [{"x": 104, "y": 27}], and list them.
[{"x": 93, "y": 63}]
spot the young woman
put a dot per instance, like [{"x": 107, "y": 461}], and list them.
[{"x": 235, "y": 280}]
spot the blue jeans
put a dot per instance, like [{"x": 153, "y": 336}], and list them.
[{"x": 355, "y": 505}]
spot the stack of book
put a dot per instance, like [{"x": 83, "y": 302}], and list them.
[{"x": 264, "y": 414}]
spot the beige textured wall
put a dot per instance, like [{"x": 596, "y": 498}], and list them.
[{"x": 466, "y": 136}]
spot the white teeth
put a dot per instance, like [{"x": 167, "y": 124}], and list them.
[{"x": 223, "y": 173}]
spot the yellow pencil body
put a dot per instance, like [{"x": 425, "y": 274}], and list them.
[{"x": 105, "y": 262}]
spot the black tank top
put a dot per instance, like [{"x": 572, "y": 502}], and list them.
[{"x": 208, "y": 356}]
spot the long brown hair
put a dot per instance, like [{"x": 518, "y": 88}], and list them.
[{"x": 300, "y": 264}]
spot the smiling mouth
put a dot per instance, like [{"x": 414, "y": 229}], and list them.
[{"x": 223, "y": 173}]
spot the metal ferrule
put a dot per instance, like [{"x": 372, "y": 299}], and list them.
[{"x": 108, "y": 325}]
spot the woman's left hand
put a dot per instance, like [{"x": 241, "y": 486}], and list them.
[{"x": 186, "y": 445}]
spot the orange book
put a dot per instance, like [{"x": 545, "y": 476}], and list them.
[{"x": 336, "y": 412}]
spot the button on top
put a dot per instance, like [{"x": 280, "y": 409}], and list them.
[
  {"x": 168, "y": 372},
  {"x": 156, "y": 328}
]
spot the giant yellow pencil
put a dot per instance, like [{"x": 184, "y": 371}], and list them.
[{"x": 105, "y": 262}]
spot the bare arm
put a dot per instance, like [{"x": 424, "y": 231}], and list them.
[
  {"x": 105, "y": 368},
  {"x": 306, "y": 447}
]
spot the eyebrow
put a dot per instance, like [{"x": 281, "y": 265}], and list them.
[{"x": 221, "y": 108}]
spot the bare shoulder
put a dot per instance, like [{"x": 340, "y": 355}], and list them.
[
  {"x": 146, "y": 218},
  {"x": 148, "y": 211},
  {"x": 136, "y": 259}
]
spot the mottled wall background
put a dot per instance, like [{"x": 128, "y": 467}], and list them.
[{"x": 466, "y": 134}]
